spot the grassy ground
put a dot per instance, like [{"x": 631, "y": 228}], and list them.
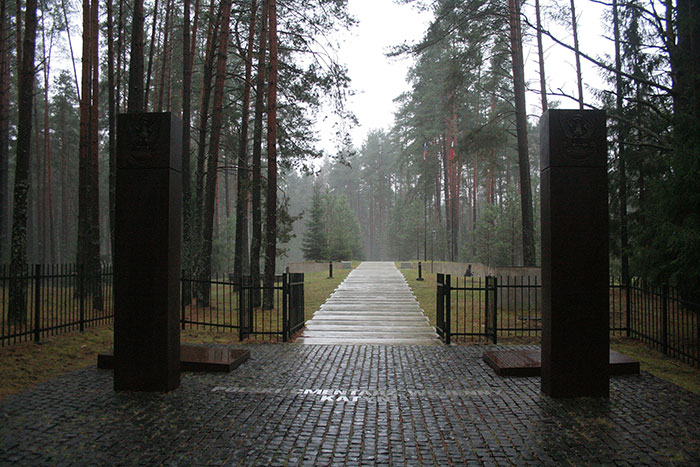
[
  {"x": 318, "y": 287},
  {"x": 650, "y": 360},
  {"x": 24, "y": 365}
]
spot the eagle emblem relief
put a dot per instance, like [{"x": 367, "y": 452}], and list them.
[{"x": 578, "y": 141}]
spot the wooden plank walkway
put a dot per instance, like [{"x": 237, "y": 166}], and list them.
[{"x": 374, "y": 305}]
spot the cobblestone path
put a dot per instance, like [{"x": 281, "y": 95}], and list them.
[
  {"x": 323, "y": 405},
  {"x": 373, "y": 305}
]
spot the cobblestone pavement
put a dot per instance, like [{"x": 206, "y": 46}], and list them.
[{"x": 356, "y": 405}]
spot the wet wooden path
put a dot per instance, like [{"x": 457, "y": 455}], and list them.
[{"x": 374, "y": 305}]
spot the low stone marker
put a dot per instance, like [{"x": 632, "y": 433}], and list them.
[
  {"x": 574, "y": 208},
  {"x": 346, "y": 265}
]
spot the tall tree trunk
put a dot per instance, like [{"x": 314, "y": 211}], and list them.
[
  {"x": 119, "y": 53},
  {"x": 448, "y": 210},
  {"x": 88, "y": 204},
  {"x": 164, "y": 61},
  {"x": 456, "y": 179},
  {"x": 621, "y": 149},
  {"x": 540, "y": 56},
  {"x": 521, "y": 128},
  {"x": 65, "y": 216},
  {"x": 241, "y": 258},
  {"x": 256, "y": 196},
  {"x": 111, "y": 119},
  {"x": 216, "y": 124},
  {"x": 151, "y": 52},
  {"x": 198, "y": 212},
  {"x": 579, "y": 78},
  {"x": 685, "y": 61},
  {"x": 18, "y": 254},
  {"x": 94, "y": 191},
  {"x": 84, "y": 142},
  {"x": 48, "y": 214},
  {"x": 186, "y": 139},
  {"x": 135, "y": 103},
  {"x": 5, "y": 49},
  {"x": 271, "y": 200}
]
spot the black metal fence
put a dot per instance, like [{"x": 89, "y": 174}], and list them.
[
  {"x": 52, "y": 299},
  {"x": 238, "y": 307},
  {"x": 484, "y": 309},
  {"x": 63, "y": 298}
]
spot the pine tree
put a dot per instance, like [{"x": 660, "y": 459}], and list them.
[{"x": 315, "y": 241}]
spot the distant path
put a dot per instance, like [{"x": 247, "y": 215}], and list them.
[{"x": 374, "y": 305}]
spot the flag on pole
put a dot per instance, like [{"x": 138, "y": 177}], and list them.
[{"x": 425, "y": 150}]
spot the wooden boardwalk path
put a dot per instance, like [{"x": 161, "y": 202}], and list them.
[{"x": 374, "y": 305}]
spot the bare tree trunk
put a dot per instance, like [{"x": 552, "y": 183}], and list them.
[
  {"x": 49, "y": 230},
  {"x": 241, "y": 258},
  {"x": 521, "y": 128},
  {"x": 456, "y": 178},
  {"x": 271, "y": 201},
  {"x": 111, "y": 118},
  {"x": 18, "y": 254},
  {"x": 216, "y": 124},
  {"x": 256, "y": 240},
  {"x": 186, "y": 139},
  {"x": 198, "y": 212},
  {"x": 94, "y": 185},
  {"x": 164, "y": 61},
  {"x": 448, "y": 210},
  {"x": 579, "y": 79},
  {"x": 5, "y": 49},
  {"x": 136, "y": 96},
  {"x": 540, "y": 56},
  {"x": 88, "y": 204},
  {"x": 151, "y": 51},
  {"x": 84, "y": 142},
  {"x": 621, "y": 150}
]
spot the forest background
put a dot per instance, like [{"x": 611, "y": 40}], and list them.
[{"x": 455, "y": 178}]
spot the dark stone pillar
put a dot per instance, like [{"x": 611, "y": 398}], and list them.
[
  {"x": 575, "y": 335},
  {"x": 147, "y": 252}
]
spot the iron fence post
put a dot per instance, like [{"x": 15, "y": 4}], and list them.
[
  {"x": 439, "y": 312},
  {"x": 420, "y": 271},
  {"x": 330, "y": 269},
  {"x": 285, "y": 308},
  {"x": 182, "y": 298},
  {"x": 664, "y": 317},
  {"x": 81, "y": 294},
  {"x": 448, "y": 309},
  {"x": 628, "y": 309},
  {"x": 241, "y": 303},
  {"x": 494, "y": 311},
  {"x": 37, "y": 302}
]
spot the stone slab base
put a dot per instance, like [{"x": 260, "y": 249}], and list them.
[
  {"x": 195, "y": 358},
  {"x": 528, "y": 363}
]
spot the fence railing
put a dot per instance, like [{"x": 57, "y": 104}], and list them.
[
  {"x": 484, "y": 309},
  {"x": 39, "y": 301},
  {"x": 238, "y": 306},
  {"x": 65, "y": 297}
]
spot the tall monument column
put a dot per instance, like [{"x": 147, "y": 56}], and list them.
[
  {"x": 574, "y": 220},
  {"x": 147, "y": 252}
]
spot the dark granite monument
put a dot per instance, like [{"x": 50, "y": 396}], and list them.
[
  {"x": 575, "y": 336},
  {"x": 147, "y": 252}
]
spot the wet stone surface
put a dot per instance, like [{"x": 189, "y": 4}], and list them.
[{"x": 355, "y": 405}]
